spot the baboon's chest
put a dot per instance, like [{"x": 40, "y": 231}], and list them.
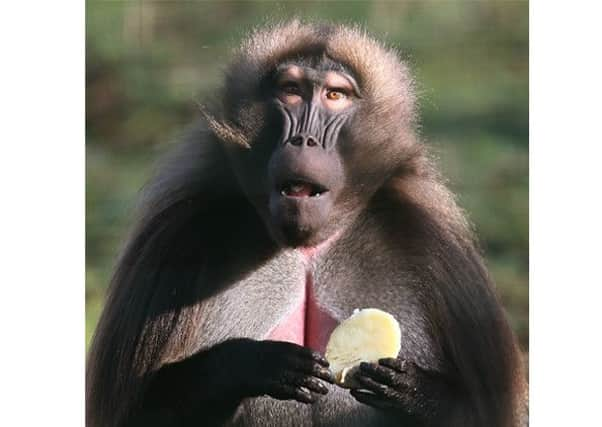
[{"x": 296, "y": 299}]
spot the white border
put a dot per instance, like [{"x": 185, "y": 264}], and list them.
[
  {"x": 42, "y": 213},
  {"x": 565, "y": 193}
]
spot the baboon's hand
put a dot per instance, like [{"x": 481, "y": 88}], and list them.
[
  {"x": 400, "y": 385},
  {"x": 282, "y": 370}
]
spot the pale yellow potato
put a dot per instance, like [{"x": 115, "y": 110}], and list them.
[{"x": 368, "y": 335}]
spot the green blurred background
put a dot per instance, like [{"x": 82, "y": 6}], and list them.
[{"x": 148, "y": 62}]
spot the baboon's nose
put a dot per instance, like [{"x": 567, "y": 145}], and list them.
[{"x": 303, "y": 139}]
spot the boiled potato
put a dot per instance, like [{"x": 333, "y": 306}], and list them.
[{"x": 368, "y": 335}]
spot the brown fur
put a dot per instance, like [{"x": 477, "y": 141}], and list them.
[{"x": 192, "y": 215}]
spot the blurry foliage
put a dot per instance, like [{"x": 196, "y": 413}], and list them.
[{"x": 147, "y": 62}]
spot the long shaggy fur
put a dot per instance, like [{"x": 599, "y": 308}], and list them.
[{"x": 155, "y": 302}]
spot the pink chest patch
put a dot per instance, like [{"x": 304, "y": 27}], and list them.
[
  {"x": 308, "y": 324},
  {"x": 292, "y": 327}
]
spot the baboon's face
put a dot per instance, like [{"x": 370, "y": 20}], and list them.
[
  {"x": 302, "y": 170},
  {"x": 305, "y": 171}
]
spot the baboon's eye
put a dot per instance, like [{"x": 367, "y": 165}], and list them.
[
  {"x": 289, "y": 93},
  {"x": 335, "y": 95},
  {"x": 336, "y": 99},
  {"x": 290, "y": 88}
]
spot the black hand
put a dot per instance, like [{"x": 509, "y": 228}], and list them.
[
  {"x": 284, "y": 371},
  {"x": 400, "y": 385},
  {"x": 214, "y": 381}
]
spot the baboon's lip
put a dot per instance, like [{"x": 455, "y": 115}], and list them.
[{"x": 300, "y": 188}]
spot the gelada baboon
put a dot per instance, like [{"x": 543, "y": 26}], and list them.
[{"x": 303, "y": 194}]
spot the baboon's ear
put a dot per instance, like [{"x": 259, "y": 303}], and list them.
[{"x": 223, "y": 130}]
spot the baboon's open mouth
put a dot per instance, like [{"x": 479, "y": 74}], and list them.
[
  {"x": 298, "y": 188},
  {"x": 300, "y": 207}
]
